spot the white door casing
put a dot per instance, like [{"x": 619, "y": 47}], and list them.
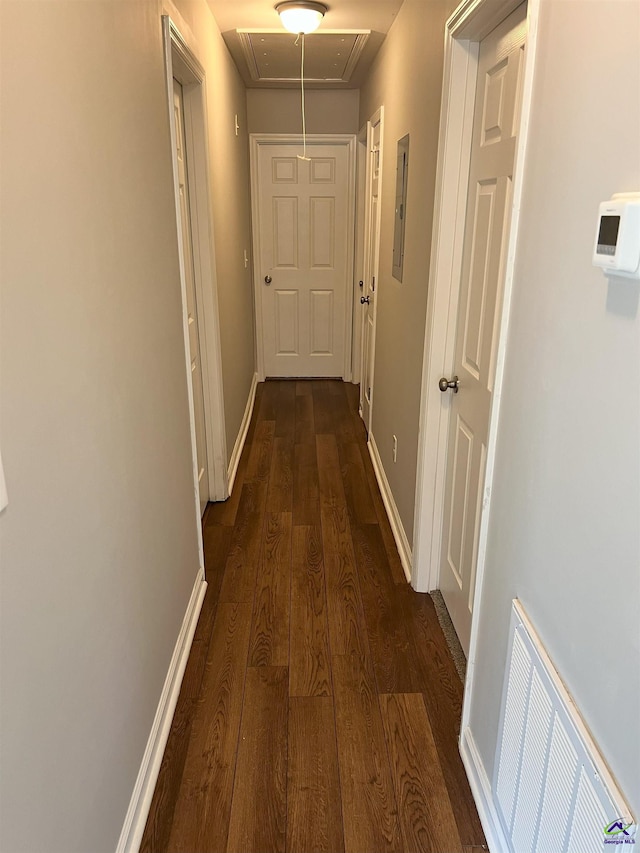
[
  {"x": 303, "y": 213},
  {"x": 372, "y": 260},
  {"x": 362, "y": 157},
  {"x": 195, "y": 359}
]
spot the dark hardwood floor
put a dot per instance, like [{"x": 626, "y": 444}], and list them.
[{"x": 320, "y": 707}]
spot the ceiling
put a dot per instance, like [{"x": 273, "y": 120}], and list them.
[{"x": 338, "y": 55}]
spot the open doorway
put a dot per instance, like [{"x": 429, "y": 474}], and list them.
[
  {"x": 371, "y": 255},
  {"x": 185, "y": 80}
]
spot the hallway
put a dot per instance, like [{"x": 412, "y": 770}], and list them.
[{"x": 320, "y": 706}]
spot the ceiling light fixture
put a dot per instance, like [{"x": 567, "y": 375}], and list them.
[{"x": 301, "y": 16}]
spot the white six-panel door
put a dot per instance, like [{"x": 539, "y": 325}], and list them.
[
  {"x": 496, "y": 120},
  {"x": 304, "y": 239}
]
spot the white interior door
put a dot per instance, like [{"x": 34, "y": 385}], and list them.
[
  {"x": 192, "y": 315},
  {"x": 305, "y": 256},
  {"x": 372, "y": 255},
  {"x": 496, "y": 119}
]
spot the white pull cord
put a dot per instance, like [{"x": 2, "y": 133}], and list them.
[{"x": 304, "y": 119}]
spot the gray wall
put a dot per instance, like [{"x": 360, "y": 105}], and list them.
[
  {"x": 98, "y": 543},
  {"x": 279, "y": 111},
  {"x": 564, "y": 516},
  {"x": 407, "y": 80}
]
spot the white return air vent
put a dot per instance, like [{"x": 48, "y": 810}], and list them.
[{"x": 552, "y": 790}]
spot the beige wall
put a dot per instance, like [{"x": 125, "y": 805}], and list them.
[
  {"x": 229, "y": 164},
  {"x": 407, "y": 80},
  {"x": 98, "y": 543},
  {"x": 279, "y": 111},
  {"x": 566, "y": 496}
]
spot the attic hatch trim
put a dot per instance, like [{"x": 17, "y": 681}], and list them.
[{"x": 244, "y": 37}]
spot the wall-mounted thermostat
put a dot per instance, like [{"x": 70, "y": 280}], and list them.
[{"x": 617, "y": 244}]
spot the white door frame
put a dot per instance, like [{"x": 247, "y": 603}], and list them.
[
  {"x": 467, "y": 26},
  {"x": 183, "y": 65},
  {"x": 348, "y": 140},
  {"x": 372, "y": 231},
  {"x": 359, "y": 261}
]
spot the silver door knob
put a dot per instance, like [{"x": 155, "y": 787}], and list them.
[
  {"x": 445, "y": 384},
  {"x": 365, "y": 300},
  {"x": 267, "y": 279}
]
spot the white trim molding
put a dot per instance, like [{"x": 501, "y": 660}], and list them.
[
  {"x": 140, "y": 802},
  {"x": 359, "y": 260},
  {"x": 397, "y": 528},
  {"x": 242, "y": 434},
  {"x": 482, "y": 795}
]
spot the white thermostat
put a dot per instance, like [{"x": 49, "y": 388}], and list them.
[{"x": 617, "y": 244}]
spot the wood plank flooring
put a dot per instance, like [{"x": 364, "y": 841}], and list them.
[{"x": 320, "y": 706}]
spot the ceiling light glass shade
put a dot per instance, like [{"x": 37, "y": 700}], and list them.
[{"x": 301, "y": 16}]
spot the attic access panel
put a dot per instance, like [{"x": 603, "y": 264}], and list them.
[{"x": 274, "y": 57}]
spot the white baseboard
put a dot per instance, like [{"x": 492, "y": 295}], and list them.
[
  {"x": 140, "y": 803},
  {"x": 482, "y": 795},
  {"x": 404, "y": 549},
  {"x": 242, "y": 435}
]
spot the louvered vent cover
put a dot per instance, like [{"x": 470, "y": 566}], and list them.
[{"x": 551, "y": 786}]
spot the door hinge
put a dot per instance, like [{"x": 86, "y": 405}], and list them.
[{"x": 373, "y": 283}]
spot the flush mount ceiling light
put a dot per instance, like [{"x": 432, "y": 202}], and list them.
[{"x": 301, "y": 16}]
